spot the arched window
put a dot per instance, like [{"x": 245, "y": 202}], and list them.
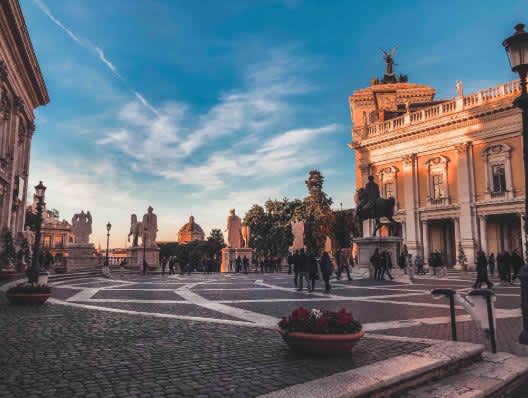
[{"x": 497, "y": 171}]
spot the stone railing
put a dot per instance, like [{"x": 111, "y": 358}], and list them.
[{"x": 457, "y": 104}]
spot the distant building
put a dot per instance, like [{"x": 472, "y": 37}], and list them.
[
  {"x": 454, "y": 167},
  {"x": 22, "y": 89},
  {"x": 190, "y": 232}
]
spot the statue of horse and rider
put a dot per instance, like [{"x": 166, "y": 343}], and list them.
[{"x": 370, "y": 205}]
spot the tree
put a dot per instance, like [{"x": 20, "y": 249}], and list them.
[
  {"x": 318, "y": 215},
  {"x": 260, "y": 225},
  {"x": 9, "y": 254},
  {"x": 215, "y": 242}
]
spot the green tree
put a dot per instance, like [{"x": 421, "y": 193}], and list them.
[
  {"x": 9, "y": 254},
  {"x": 215, "y": 242},
  {"x": 260, "y": 225}
]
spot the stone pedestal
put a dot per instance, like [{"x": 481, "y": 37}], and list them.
[
  {"x": 365, "y": 248},
  {"x": 135, "y": 258},
  {"x": 229, "y": 256},
  {"x": 80, "y": 256}
]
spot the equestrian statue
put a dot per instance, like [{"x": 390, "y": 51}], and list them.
[{"x": 370, "y": 205}]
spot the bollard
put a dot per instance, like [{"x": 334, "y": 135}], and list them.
[
  {"x": 449, "y": 293},
  {"x": 488, "y": 295}
]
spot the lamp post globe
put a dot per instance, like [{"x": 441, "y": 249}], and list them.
[
  {"x": 517, "y": 50},
  {"x": 40, "y": 190}
]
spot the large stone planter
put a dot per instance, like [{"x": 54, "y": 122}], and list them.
[
  {"x": 321, "y": 344},
  {"x": 27, "y": 298},
  {"x": 7, "y": 273}
]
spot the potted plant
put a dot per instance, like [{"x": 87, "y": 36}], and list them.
[{"x": 320, "y": 332}]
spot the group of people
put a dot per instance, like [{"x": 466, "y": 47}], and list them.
[
  {"x": 208, "y": 266},
  {"x": 306, "y": 267},
  {"x": 508, "y": 266},
  {"x": 382, "y": 263}
]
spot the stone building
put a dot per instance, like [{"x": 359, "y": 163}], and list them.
[
  {"x": 455, "y": 166},
  {"x": 22, "y": 89},
  {"x": 190, "y": 232}
]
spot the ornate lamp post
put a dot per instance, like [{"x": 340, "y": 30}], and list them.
[
  {"x": 33, "y": 273},
  {"x": 106, "y": 268},
  {"x": 517, "y": 49},
  {"x": 145, "y": 264}
]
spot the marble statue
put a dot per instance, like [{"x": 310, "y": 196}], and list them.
[
  {"x": 29, "y": 236},
  {"x": 233, "y": 230},
  {"x": 135, "y": 230},
  {"x": 298, "y": 235},
  {"x": 246, "y": 235},
  {"x": 82, "y": 227},
  {"x": 150, "y": 228},
  {"x": 459, "y": 88}
]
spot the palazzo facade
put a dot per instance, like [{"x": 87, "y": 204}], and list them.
[
  {"x": 455, "y": 167},
  {"x": 22, "y": 89}
]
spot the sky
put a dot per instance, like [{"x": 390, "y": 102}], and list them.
[{"x": 197, "y": 107}]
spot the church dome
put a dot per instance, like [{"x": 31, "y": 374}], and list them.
[{"x": 190, "y": 232}]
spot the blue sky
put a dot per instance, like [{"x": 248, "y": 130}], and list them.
[{"x": 199, "y": 107}]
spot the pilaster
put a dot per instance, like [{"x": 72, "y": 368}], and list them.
[{"x": 410, "y": 201}]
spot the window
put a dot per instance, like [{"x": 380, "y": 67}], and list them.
[
  {"x": 498, "y": 172},
  {"x": 388, "y": 190},
  {"x": 438, "y": 186}
]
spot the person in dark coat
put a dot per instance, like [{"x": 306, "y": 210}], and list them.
[
  {"x": 303, "y": 269},
  {"x": 313, "y": 271},
  {"x": 517, "y": 263},
  {"x": 375, "y": 261},
  {"x": 326, "y": 270},
  {"x": 386, "y": 265},
  {"x": 295, "y": 261},
  {"x": 491, "y": 264},
  {"x": 245, "y": 263},
  {"x": 482, "y": 271},
  {"x": 290, "y": 263},
  {"x": 508, "y": 267}
]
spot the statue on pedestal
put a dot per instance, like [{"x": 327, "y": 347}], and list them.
[
  {"x": 82, "y": 227},
  {"x": 135, "y": 230},
  {"x": 246, "y": 235},
  {"x": 370, "y": 205},
  {"x": 233, "y": 230},
  {"x": 298, "y": 235},
  {"x": 150, "y": 228}
]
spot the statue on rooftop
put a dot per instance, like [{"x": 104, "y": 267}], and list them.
[{"x": 388, "y": 56}]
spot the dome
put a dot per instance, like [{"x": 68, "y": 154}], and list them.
[{"x": 190, "y": 232}]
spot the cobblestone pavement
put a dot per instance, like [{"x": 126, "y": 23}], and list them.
[{"x": 212, "y": 335}]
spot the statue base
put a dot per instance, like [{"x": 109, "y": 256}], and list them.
[
  {"x": 230, "y": 254},
  {"x": 135, "y": 258},
  {"x": 81, "y": 256},
  {"x": 366, "y": 246}
]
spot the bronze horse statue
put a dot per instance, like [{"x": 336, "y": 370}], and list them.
[{"x": 380, "y": 208}]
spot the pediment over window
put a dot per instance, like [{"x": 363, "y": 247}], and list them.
[
  {"x": 496, "y": 150},
  {"x": 440, "y": 160}
]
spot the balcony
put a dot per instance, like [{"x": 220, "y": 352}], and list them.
[{"x": 439, "y": 202}]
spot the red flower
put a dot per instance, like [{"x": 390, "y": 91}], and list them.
[
  {"x": 343, "y": 319},
  {"x": 321, "y": 323},
  {"x": 300, "y": 314}
]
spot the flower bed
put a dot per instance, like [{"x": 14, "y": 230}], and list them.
[{"x": 320, "y": 332}]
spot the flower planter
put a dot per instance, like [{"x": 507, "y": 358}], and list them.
[
  {"x": 27, "y": 298},
  {"x": 7, "y": 273},
  {"x": 321, "y": 344}
]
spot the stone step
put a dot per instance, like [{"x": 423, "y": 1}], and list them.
[{"x": 496, "y": 375}]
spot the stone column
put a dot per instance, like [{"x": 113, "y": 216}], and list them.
[
  {"x": 425, "y": 241},
  {"x": 456, "y": 225},
  {"x": 368, "y": 225},
  {"x": 483, "y": 234},
  {"x": 412, "y": 233},
  {"x": 465, "y": 198}
]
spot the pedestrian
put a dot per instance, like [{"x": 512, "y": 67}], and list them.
[
  {"x": 344, "y": 261},
  {"x": 295, "y": 261},
  {"x": 261, "y": 266},
  {"x": 386, "y": 265},
  {"x": 375, "y": 263},
  {"x": 419, "y": 263},
  {"x": 313, "y": 271},
  {"x": 482, "y": 271},
  {"x": 517, "y": 263},
  {"x": 326, "y": 270},
  {"x": 145, "y": 266},
  {"x": 303, "y": 268},
  {"x": 163, "y": 266},
  {"x": 508, "y": 267},
  {"x": 339, "y": 269},
  {"x": 245, "y": 263},
  {"x": 432, "y": 262},
  {"x": 171, "y": 265},
  {"x": 491, "y": 264},
  {"x": 290, "y": 262},
  {"x": 238, "y": 264}
]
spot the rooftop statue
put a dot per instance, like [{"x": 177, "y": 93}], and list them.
[{"x": 82, "y": 227}]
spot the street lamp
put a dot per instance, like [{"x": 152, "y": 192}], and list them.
[
  {"x": 517, "y": 49},
  {"x": 106, "y": 268},
  {"x": 33, "y": 274},
  {"x": 145, "y": 264}
]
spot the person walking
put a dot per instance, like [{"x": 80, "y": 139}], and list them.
[
  {"x": 303, "y": 266},
  {"x": 419, "y": 263},
  {"x": 326, "y": 270},
  {"x": 296, "y": 266},
  {"x": 238, "y": 264},
  {"x": 145, "y": 267},
  {"x": 508, "y": 267},
  {"x": 386, "y": 265},
  {"x": 313, "y": 271},
  {"x": 375, "y": 262},
  {"x": 482, "y": 271},
  {"x": 517, "y": 263},
  {"x": 245, "y": 263},
  {"x": 290, "y": 263},
  {"x": 491, "y": 264},
  {"x": 345, "y": 260}
]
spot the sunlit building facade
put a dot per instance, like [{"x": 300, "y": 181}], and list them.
[{"x": 455, "y": 167}]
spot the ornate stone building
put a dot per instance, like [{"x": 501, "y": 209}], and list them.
[
  {"x": 22, "y": 89},
  {"x": 454, "y": 166},
  {"x": 190, "y": 232}
]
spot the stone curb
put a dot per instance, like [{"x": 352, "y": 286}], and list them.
[{"x": 393, "y": 374}]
